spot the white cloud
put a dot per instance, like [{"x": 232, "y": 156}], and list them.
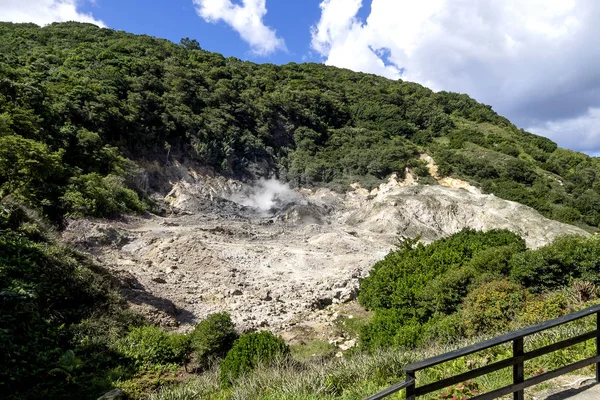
[
  {"x": 535, "y": 61},
  {"x": 582, "y": 132},
  {"x": 43, "y": 12},
  {"x": 245, "y": 19}
]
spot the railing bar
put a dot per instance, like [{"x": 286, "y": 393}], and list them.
[
  {"x": 537, "y": 379},
  {"x": 391, "y": 390},
  {"x": 597, "y": 346},
  {"x": 410, "y": 389},
  {"x": 509, "y": 362},
  {"x": 519, "y": 368},
  {"x": 560, "y": 345},
  {"x": 430, "y": 362},
  {"x": 432, "y": 387}
]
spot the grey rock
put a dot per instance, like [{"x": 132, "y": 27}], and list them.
[{"x": 116, "y": 394}]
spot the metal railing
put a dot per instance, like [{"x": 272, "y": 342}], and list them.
[{"x": 516, "y": 361}]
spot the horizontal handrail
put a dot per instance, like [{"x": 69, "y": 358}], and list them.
[
  {"x": 392, "y": 389},
  {"x": 509, "y": 362},
  {"x": 537, "y": 379},
  {"x": 465, "y": 351},
  {"x": 516, "y": 361}
]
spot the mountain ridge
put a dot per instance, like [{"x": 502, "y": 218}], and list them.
[{"x": 95, "y": 103}]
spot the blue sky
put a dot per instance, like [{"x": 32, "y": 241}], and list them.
[
  {"x": 176, "y": 19},
  {"x": 534, "y": 61}
]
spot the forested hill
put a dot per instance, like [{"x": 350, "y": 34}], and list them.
[{"x": 80, "y": 106}]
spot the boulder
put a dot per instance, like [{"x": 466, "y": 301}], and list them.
[{"x": 116, "y": 394}]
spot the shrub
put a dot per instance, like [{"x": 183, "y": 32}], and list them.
[
  {"x": 444, "y": 329},
  {"x": 213, "y": 337},
  {"x": 250, "y": 350},
  {"x": 496, "y": 259},
  {"x": 99, "y": 196},
  {"x": 493, "y": 306},
  {"x": 553, "y": 266},
  {"x": 398, "y": 281},
  {"x": 149, "y": 345},
  {"x": 389, "y": 329},
  {"x": 542, "y": 309},
  {"x": 444, "y": 293}
]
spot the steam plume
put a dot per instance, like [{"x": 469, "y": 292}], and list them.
[{"x": 266, "y": 195}]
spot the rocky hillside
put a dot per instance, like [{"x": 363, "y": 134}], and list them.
[{"x": 273, "y": 257}]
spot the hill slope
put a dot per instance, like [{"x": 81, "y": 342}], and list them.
[
  {"x": 98, "y": 123},
  {"x": 78, "y": 103},
  {"x": 279, "y": 267}
]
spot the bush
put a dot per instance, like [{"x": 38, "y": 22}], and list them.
[
  {"x": 543, "y": 309},
  {"x": 553, "y": 266},
  {"x": 213, "y": 337},
  {"x": 99, "y": 196},
  {"x": 150, "y": 346},
  {"x": 444, "y": 293},
  {"x": 445, "y": 329},
  {"x": 492, "y": 307},
  {"x": 496, "y": 259},
  {"x": 399, "y": 280},
  {"x": 387, "y": 329},
  {"x": 250, "y": 350}
]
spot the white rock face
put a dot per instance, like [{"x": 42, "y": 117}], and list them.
[
  {"x": 437, "y": 211},
  {"x": 270, "y": 269}
]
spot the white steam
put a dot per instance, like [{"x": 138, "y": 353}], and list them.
[{"x": 266, "y": 195}]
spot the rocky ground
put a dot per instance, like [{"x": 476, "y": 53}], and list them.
[{"x": 277, "y": 258}]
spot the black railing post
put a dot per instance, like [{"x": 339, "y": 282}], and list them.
[
  {"x": 410, "y": 390},
  {"x": 598, "y": 346},
  {"x": 518, "y": 368}
]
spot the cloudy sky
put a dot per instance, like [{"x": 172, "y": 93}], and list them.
[{"x": 534, "y": 61}]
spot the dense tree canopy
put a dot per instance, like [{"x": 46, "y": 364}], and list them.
[{"x": 79, "y": 105}]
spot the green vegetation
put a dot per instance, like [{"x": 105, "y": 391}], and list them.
[
  {"x": 213, "y": 337},
  {"x": 472, "y": 283},
  {"x": 248, "y": 352},
  {"x": 80, "y": 106},
  {"x": 59, "y": 314},
  {"x": 149, "y": 346}
]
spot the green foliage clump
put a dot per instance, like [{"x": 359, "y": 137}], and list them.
[
  {"x": 555, "y": 265},
  {"x": 544, "y": 308},
  {"x": 149, "y": 346},
  {"x": 59, "y": 313},
  {"x": 250, "y": 350},
  {"x": 493, "y": 306},
  {"x": 94, "y": 195},
  {"x": 213, "y": 337},
  {"x": 348, "y": 153},
  {"x": 413, "y": 288},
  {"x": 389, "y": 328},
  {"x": 409, "y": 279},
  {"x": 473, "y": 283}
]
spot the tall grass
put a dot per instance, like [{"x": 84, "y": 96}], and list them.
[{"x": 362, "y": 374}]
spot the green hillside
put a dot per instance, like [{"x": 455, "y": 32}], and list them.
[
  {"x": 79, "y": 105},
  {"x": 83, "y": 109}
]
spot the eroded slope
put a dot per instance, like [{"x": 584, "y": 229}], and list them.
[{"x": 272, "y": 256}]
